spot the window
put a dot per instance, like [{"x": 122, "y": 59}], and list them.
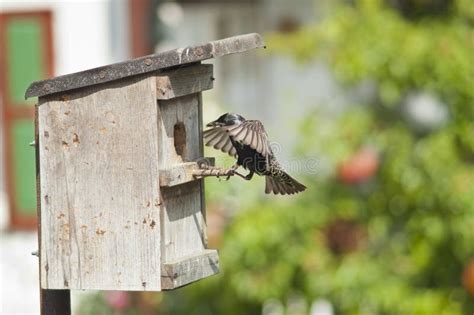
[{"x": 26, "y": 55}]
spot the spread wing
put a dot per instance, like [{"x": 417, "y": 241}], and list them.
[
  {"x": 250, "y": 132},
  {"x": 218, "y": 138},
  {"x": 253, "y": 134}
]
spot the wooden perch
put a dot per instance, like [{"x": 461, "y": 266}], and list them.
[
  {"x": 213, "y": 171},
  {"x": 190, "y": 171}
]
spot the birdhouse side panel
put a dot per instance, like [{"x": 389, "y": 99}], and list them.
[{"x": 100, "y": 202}]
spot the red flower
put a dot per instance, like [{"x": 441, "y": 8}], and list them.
[
  {"x": 117, "y": 300},
  {"x": 468, "y": 278},
  {"x": 359, "y": 167}
]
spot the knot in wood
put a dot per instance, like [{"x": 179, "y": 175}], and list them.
[{"x": 148, "y": 62}]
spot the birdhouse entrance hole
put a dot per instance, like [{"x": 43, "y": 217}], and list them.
[{"x": 179, "y": 135}]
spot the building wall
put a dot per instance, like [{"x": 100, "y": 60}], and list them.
[
  {"x": 86, "y": 34},
  {"x": 82, "y": 30}
]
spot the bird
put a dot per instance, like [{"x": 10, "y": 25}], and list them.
[{"x": 248, "y": 141}]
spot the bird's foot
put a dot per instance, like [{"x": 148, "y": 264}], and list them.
[
  {"x": 238, "y": 174},
  {"x": 246, "y": 177},
  {"x": 232, "y": 171}
]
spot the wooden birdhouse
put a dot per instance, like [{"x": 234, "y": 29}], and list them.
[{"x": 118, "y": 205}]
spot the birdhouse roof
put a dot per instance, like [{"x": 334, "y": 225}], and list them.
[{"x": 150, "y": 63}]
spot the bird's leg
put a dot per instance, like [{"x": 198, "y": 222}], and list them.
[
  {"x": 249, "y": 175},
  {"x": 246, "y": 177}
]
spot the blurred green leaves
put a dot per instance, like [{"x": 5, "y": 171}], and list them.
[{"x": 369, "y": 41}]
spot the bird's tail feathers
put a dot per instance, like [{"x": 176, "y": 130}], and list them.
[{"x": 284, "y": 185}]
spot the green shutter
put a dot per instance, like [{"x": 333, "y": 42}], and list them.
[
  {"x": 22, "y": 134},
  {"x": 25, "y": 61},
  {"x": 24, "y": 57}
]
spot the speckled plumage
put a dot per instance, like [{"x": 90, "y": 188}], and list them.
[{"x": 248, "y": 141}]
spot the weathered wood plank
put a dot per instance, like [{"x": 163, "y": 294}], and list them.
[
  {"x": 51, "y": 301},
  {"x": 179, "y": 174},
  {"x": 100, "y": 202},
  {"x": 203, "y": 187},
  {"x": 146, "y": 64},
  {"x": 184, "y": 80},
  {"x": 188, "y": 269},
  {"x": 179, "y": 130},
  {"x": 182, "y": 219},
  {"x": 183, "y": 172}
]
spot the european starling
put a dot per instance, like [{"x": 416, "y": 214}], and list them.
[{"x": 247, "y": 140}]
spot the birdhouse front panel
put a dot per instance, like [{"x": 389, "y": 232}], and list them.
[
  {"x": 183, "y": 225},
  {"x": 179, "y": 142},
  {"x": 100, "y": 196}
]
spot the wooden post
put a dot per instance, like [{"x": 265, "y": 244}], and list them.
[{"x": 54, "y": 302}]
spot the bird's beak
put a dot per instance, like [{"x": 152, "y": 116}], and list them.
[{"x": 213, "y": 124}]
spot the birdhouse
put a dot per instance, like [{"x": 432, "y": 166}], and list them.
[{"x": 116, "y": 147}]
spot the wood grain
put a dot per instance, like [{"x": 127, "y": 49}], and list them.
[
  {"x": 145, "y": 64},
  {"x": 51, "y": 301},
  {"x": 182, "y": 217},
  {"x": 189, "y": 269},
  {"x": 184, "y": 80},
  {"x": 202, "y": 183},
  {"x": 183, "y": 172},
  {"x": 100, "y": 197},
  {"x": 104, "y": 151}
]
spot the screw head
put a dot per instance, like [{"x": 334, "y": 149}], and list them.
[
  {"x": 199, "y": 51},
  {"x": 237, "y": 44}
]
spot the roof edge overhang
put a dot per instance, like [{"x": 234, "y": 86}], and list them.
[{"x": 150, "y": 63}]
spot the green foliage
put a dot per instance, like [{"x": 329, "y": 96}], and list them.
[
  {"x": 417, "y": 215},
  {"x": 418, "y": 218},
  {"x": 370, "y": 41}
]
